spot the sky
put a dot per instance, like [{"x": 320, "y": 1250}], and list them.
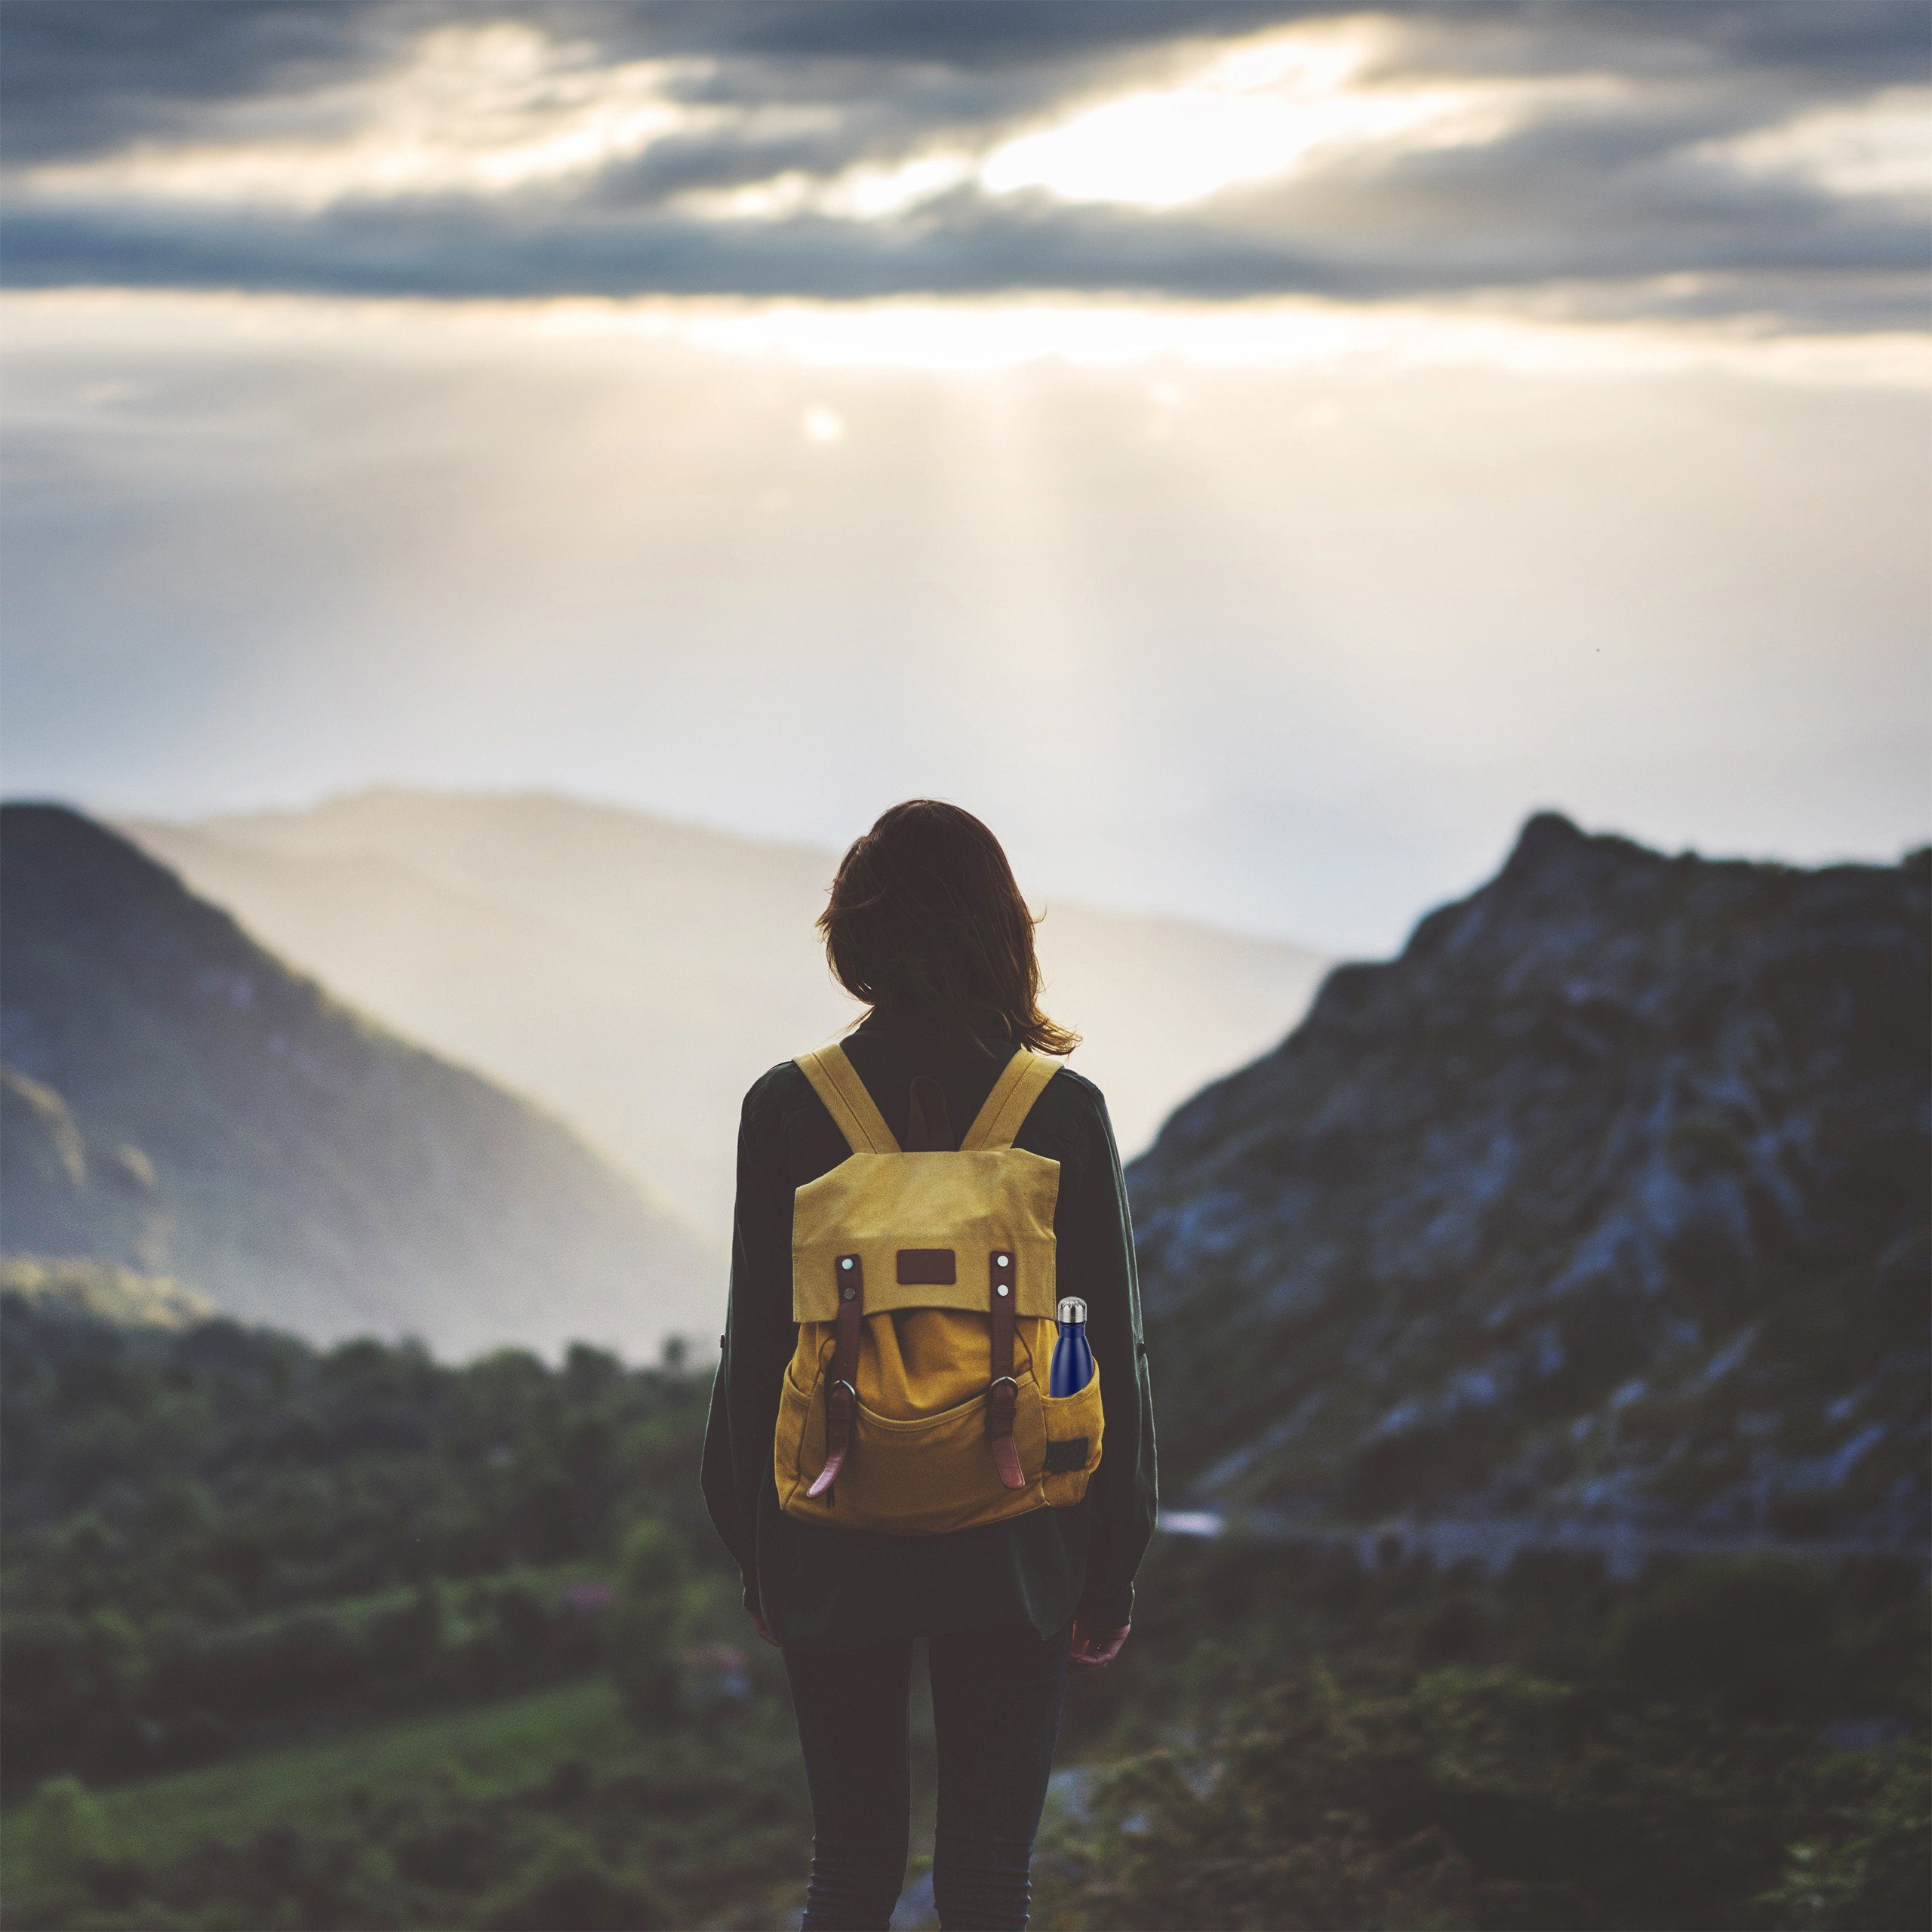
[{"x": 1253, "y": 455}]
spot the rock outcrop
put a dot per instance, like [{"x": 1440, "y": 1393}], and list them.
[{"x": 1608, "y": 1199}]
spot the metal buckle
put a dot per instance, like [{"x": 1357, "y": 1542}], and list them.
[
  {"x": 997, "y": 1379},
  {"x": 841, "y": 1383}
]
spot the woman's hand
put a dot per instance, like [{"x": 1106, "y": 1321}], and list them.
[{"x": 1094, "y": 1649}]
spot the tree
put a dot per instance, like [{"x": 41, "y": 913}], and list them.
[{"x": 649, "y": 1622}]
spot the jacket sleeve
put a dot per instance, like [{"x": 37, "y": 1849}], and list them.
[
  {"x": 758, "y": 1337},
  {"x": 1123, "y": 1494}
]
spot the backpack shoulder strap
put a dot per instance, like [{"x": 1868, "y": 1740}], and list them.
[
  {"x": 837, "y": 1083},
  {"x": 1020, "y": 1084}
]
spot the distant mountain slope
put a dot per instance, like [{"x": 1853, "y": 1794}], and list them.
[
  {"x": 177, "y": 1100},
  {"x": 1609, "y": 1197},
  {"x": 637, "y": 974}
]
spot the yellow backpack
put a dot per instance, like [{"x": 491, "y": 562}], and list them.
[{"x": 923, "y": 1287}]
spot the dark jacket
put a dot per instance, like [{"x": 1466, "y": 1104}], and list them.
[{"x": 818, "y": 1587}]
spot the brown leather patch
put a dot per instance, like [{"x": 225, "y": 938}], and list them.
[
  {"x": 919, "y": 1265},
  {"x": 1070, "y": 1454}
]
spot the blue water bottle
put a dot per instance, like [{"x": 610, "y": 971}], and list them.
[{"x": 1073, "y": 1360}]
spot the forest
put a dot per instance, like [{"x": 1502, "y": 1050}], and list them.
[{"x": 319, "y": 1639}]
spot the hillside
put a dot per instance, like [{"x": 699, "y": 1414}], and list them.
[
  {"x": 178, "y": 1102},
  {"x": 637, "y": 974},
  {"x": 1606, "y": 1200}
]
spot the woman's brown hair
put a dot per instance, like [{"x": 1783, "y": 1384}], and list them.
[{"x": 925, "y": 915}]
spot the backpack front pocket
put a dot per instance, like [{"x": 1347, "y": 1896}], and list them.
[{"x": 918, "y": 1477}]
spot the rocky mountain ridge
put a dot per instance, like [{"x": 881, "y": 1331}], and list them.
[{"x": 1607, "y": 1201}]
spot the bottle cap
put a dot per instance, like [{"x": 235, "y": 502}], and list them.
[{"x": 1073, "y": 1309}]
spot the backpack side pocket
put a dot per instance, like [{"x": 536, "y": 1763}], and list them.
[{"x": 1074, "y": 1424}]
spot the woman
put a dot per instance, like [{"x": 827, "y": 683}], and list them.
[{"x": 926, "y": 924}]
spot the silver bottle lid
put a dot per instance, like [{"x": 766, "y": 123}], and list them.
[{"x": 1073, "y": 1309}]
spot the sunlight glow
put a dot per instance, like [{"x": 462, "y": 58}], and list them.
[
  {"x": 1259, "y": 109},
  {"x": 821, "y": 425}
]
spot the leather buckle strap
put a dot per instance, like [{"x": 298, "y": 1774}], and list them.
[
  {"x": 1003, "y": 1392},
  {"x": 844, "y": 1394}
]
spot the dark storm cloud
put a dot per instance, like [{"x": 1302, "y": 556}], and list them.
[
  {"x": 78, "y": 79},
  {"x": 971, "y": 37},
  {"x": 1598, "y": 198},
  {"x": 1868, "y": 39}
]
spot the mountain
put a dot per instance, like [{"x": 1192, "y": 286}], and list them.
[
  {"x": 177, "y": 1101},
  {"x": 1607, "y": 1201},
  {"x": 636, "y": 974}
]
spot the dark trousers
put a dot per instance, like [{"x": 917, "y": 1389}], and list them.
[{"x": 996, "y": 1703}]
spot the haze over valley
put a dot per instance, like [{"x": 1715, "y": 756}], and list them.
[{"x": 636, "y": 974}]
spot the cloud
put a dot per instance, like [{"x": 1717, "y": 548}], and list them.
[
  {"x": 1742, "y": 157},
  {"x": 91, "y": 78},
  {"x": 1880, "y": 146}
]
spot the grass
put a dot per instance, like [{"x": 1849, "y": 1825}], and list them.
[
  {"x": 493, "y": 1748},
  {"x": 459, "y": 1594}
]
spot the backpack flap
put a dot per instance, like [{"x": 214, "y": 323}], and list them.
[{"x": 905, "y": 1214}]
